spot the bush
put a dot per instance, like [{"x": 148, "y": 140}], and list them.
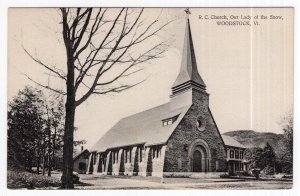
[
  {"x": 177, "y": 175},
  {"x": 22, "y": 179},
  {"x": 243, "y": 173},
  {"x": 224, "y": 176},
  {"x": 287, "y": 176},
  {"x": 268, "y": 170}
]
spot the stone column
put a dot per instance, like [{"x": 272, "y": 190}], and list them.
[
  {"x": 132, "y": 160},
  {"x": 158, "y": 169},
  {"x": 102, "y": 165},
  {"x": 96, "y": 164},
  {"x": 203, "y": 164},
  {"x": 117, "y": 165},
  {"x": 143, "y": 165},
  {"x": 209, "y": 165},
  {"x": 89, "y": 163},
  {"x": 107, "y": 162}
]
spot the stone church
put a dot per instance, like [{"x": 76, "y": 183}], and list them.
[{"x": 180, "y": 136}]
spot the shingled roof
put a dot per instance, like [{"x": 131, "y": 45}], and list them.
[
  {"x": 142, "y": 128},
  {"x": 230, "y": 141}
]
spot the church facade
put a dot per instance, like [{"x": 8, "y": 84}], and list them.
[{"x": 177, "y": 137}]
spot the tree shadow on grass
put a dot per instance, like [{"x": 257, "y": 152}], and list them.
[{"x": 83, "y": 184}]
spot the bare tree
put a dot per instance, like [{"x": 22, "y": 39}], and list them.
[{"x": 103, "y": 49}]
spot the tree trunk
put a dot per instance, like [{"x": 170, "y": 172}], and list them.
[
  {"x": 67, "y": 180},
  {"x": 38, "y": 164},
  {"x": 43, "y": 165},
  {"x": 49, "y": 148},
  {"x": 43, "y": 155},
  {"x": 53, "y": 148}
]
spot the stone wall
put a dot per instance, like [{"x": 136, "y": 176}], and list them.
[{"x": 178, "y": 157}]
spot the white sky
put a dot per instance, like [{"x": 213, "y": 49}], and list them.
[{"x": 248, "y": 72}]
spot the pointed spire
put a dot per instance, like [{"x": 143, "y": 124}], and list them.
[{"x": 188, "y": 76}]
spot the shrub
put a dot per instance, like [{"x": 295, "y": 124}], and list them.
[
  {"x": 224, "y": 176},
  {"x": 287, "y": 176},
  {"x": 22, "y": 179},
  {"x": 243, "y": 173},
  {"x": 268, "y": 170}
]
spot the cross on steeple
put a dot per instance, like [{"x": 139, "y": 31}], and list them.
[{"x": 188, "y": 12}]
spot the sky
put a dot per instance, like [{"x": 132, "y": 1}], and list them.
[{"x": 248, "y": 70}]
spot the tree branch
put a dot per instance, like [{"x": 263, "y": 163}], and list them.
[
  {"x": 52, "y": 69},
  {"x": 92, "y": 32},
  {"x": 83, "y": 30},
  {"x": 80, "y": 78},
  {"x": 46, "y": 86},
  {"x": 116, "y": 89},
  {"x": 146, "y": 56}
]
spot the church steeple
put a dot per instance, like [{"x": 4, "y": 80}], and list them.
[{"x": 188, "y": 76}]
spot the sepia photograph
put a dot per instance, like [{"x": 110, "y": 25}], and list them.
[{"x": 150, "y": 98}]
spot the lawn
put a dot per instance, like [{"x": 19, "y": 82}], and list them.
[
  {"x": 97, "y": 182},
  {"x": 23, "y": 180}
]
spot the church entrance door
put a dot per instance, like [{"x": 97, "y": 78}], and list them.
[{"x": 197, "y": 159}]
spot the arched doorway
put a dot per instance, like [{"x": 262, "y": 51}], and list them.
[
  {"x": 197, "y": 159},
  {"x": 200, "y": 156}
]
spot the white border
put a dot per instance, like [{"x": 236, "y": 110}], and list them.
[{"x": 5, "y": 4}]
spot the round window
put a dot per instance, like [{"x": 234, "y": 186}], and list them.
[{"x": 201, "y": 123}]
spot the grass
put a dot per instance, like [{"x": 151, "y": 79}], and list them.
[{"x": 23, "y": 179}]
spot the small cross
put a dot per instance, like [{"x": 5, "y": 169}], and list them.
[{"x": 188, "y": 12}]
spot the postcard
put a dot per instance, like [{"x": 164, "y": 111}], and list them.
[{"x": 150, "y": 98}]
